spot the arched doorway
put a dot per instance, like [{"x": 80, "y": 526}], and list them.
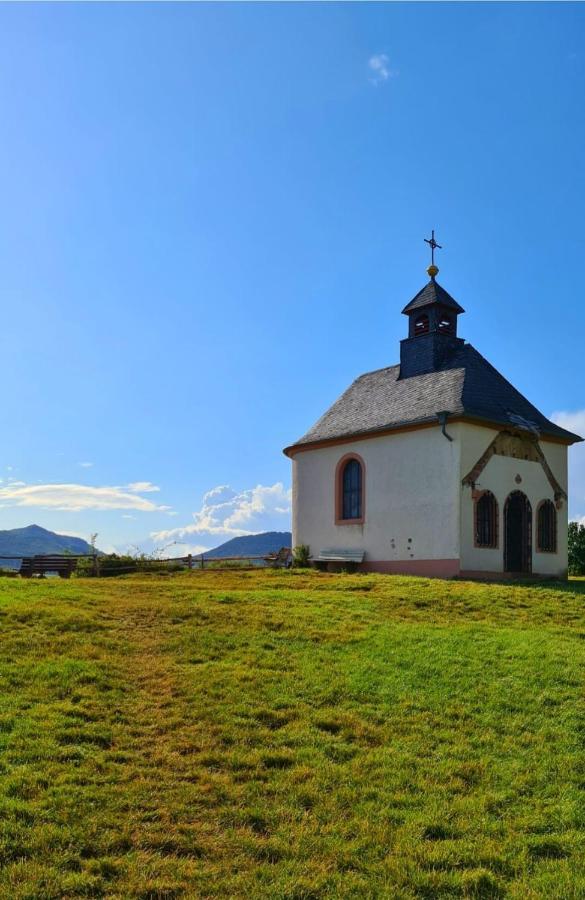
[{"x": 517, "y": 533}]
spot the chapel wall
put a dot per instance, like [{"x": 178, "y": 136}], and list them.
[{"x": 411, "y": 500}]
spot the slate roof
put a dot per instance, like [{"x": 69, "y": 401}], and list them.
[
  {"x": 432, "y": 293},
  {"x": 466, "y": 385}
]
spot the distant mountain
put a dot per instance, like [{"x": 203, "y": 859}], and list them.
[
  {"x": 253, "y": 544},
  {"x": 32, "y": 540}
]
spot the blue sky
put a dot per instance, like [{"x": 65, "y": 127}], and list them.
[{"x": 212, "y": 216}]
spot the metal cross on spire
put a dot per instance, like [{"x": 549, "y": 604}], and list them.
[
  {"x": 433, "y": 245},
  {"x": 432, "y": 269}
]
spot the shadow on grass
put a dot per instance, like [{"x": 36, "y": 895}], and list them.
[{"x": 575, "y": 586}]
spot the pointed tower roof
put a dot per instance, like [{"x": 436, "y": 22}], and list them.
[{"x": 432, "y": 295}]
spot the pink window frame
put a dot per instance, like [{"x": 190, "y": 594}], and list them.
[{"x": 339, "y": 520}]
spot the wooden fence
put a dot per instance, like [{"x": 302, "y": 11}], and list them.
[{"x": 40, "y": 563}]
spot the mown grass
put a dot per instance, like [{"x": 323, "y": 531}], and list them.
[{"x": 291, "y": 735}]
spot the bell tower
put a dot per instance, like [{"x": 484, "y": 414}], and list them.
[{"x": 432, "y": 326}]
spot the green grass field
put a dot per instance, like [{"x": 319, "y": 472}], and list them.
[{"x": 291, "y": 735}]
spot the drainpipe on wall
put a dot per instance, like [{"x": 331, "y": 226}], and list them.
[{"x": 442, "y": 417}]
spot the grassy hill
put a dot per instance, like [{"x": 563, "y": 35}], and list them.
[{"x": 291, "y": 735}]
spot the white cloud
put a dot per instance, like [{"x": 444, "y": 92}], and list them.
[
  {"x": 230, "y": 513},
  {"x": 75, "y": 497},
  {"x": 575, "y": 422},
  {"x": 572, "y": 421},
  {"x": 379, "y": 66},
  {"x": 86, "y": 465},
  {"x": 180, "y": 548},
  {"x": 221, "y": 492},
  {"x": 107, "y": 548},
  {"x": 193, "y": 549},
  {"x": 142, "y": 487}
]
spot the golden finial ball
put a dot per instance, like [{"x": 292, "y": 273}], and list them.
[{"x": 433, "y": 270}]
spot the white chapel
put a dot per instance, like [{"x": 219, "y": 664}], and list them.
[{"x": 436, "y": 466}]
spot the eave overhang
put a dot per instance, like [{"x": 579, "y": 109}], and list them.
[{"x": 427, "y": 422}]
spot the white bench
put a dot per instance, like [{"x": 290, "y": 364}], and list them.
[{"x": 351, "y": 557}]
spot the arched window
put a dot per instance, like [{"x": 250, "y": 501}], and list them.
[
  {"x": 486, "y": 520},
  {"x": 446, "y": 325},
  {"x": 349, "y": 490},
  {"x": 421, "y": 325},
  {"x": 546, "y": 531},
  {"x": 352, "y": 490}
]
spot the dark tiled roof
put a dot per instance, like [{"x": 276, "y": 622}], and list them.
[
  {"x": 465, "y": 385},
  {"x": 432, "y": 293}
]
